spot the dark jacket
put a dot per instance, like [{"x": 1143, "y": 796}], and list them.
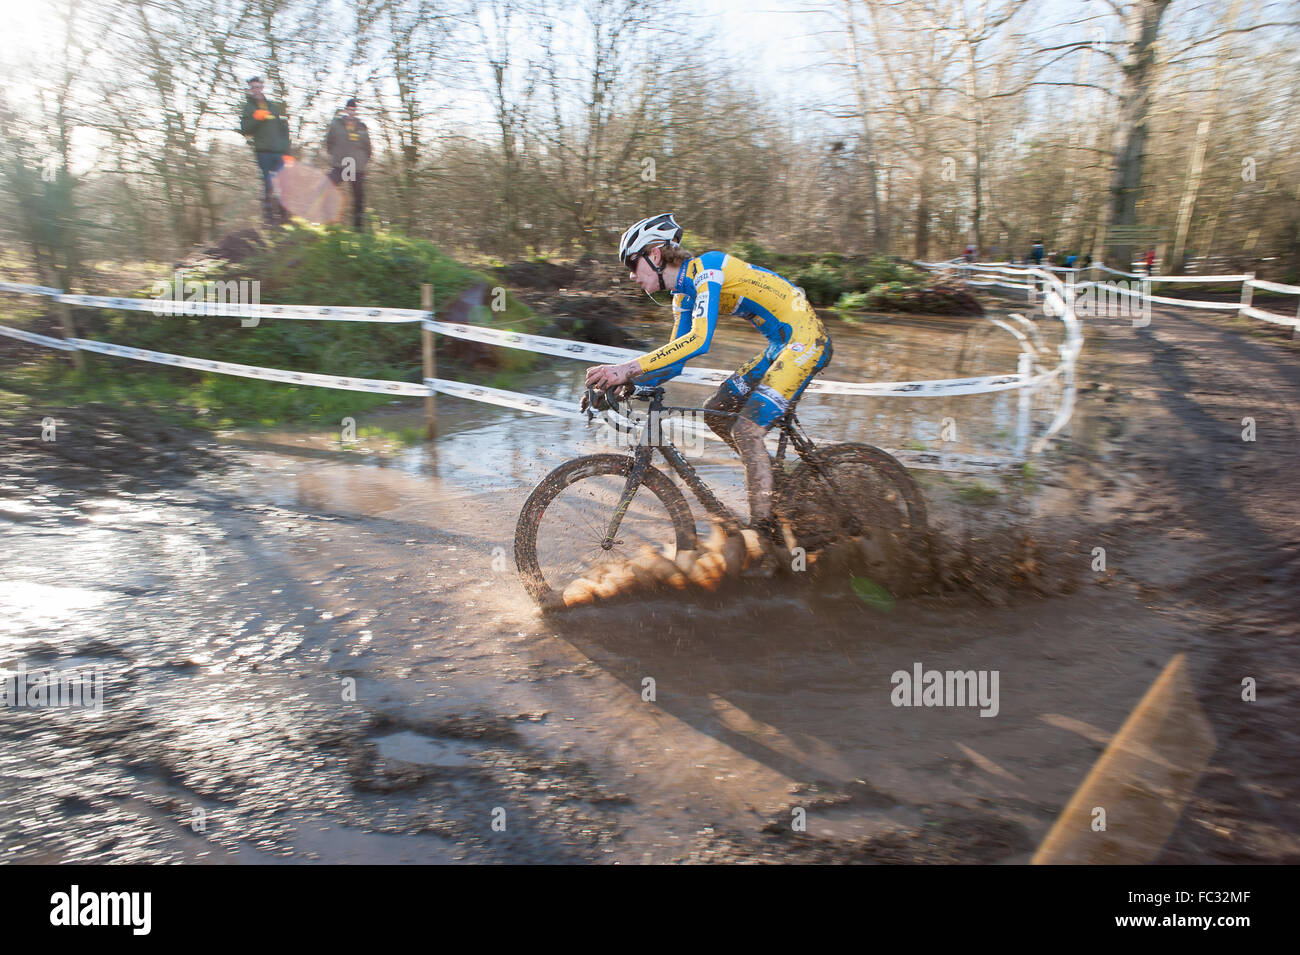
[
  {"x": 267, "y": 135},
  {"x": 348, "y": 140}
]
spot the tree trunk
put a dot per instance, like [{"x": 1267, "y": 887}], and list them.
[{"x": 1131, "y": 135}]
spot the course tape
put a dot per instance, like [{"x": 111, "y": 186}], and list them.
[
  {"x": 29, "y": 289},
  {"x": 1033, "y": 329},
  {"x": 715, "y": 376},
  {"x": 504, "y": 399},
  {"x": 170, "y": 307},
  {"x": 1148, "y": 280},
  {"x": 1162, "y": 299},
  {"x": 1270, "y": 317},
  {"x": 35, "y": 339},
  {"x": 924, "y": 460},
  {"x": 1274, "y": 286},
  {"x": 680, "y": 430},
  {"x": 534, "y": 343},
  {"x": 377, "y": 386}
]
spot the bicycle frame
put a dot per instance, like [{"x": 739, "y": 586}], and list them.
[{"x": 791, "y": 434}]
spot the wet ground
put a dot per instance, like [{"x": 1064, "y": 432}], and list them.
[{"x": 314, "y": 654}]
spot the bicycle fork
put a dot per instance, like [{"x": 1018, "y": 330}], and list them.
[{"x": 641, "y": 461}]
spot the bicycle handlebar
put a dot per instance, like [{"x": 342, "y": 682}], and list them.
[{"x": 608, "y": 399}]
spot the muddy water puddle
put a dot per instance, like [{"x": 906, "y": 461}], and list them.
[{"x": 320, "y": 654}]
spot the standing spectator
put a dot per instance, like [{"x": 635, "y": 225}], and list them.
[
  {"x": 264, "y": 122},
  {"x": 1151, "y": 260},
  {"x": 970, "y": 253},
  {"x": 348, "y": 144},
  {"x": 1036, "y": 253}
]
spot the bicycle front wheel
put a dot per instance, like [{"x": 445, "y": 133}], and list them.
[{"x": 565, "y": 520}]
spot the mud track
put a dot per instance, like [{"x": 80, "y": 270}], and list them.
[{"x": 320, "y": 658}]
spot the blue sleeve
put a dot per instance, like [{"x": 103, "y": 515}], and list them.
[
  {"x": 695, "y": 340},
  {"x": 683, "y": 324}
]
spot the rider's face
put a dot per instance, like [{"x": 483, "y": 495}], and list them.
[{"x": 643, "y": 274}]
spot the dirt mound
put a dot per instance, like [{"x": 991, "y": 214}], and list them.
[
  {"x": 538, "y": 275},
  {"x": 237, "y": 246},
  {"x": 931, "y": 300}
]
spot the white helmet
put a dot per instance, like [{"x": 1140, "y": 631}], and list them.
[{"x": 661, "y": 228}]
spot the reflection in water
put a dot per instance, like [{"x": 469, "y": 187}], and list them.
[
  {"x": 27, "y": 604},
  {"x": 484, "y": 447},
  {"x": 505, "y": 442}
]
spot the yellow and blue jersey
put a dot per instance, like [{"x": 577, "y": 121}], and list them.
[
  {"x": 716, "y": 283},
  {"x": 798, "y": 347}
]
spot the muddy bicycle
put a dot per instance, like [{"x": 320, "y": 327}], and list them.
[{"x": 604, "y": 507}]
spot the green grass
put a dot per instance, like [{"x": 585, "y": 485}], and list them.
[
  {"x": 53, "y": 382},
  {"x": 410, "y": 435},
  {"x": 977, "y": 493},
  {"x": 302, "y": 266},
  {"x": 1026, "y": 480}
]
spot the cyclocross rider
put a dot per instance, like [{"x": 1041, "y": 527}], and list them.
[{"x": 763, "y": 388}]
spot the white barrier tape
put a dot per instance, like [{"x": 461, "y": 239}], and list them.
[
  {"x": 36, "y": 339},
  {"x": 505, "y": 399},
  {"x": 1000, "y": 284},
  {"x": 715, "y": 376},
  {"x": 1107, "y": 268},
  {"x": 943, "y": 461},
  {"x": 1019, "y": 335},
  {"x": 533, "y": 343},
  {"x": 1163, "y": 299},
  {"x": 951, "y": 461},
  {"x": 1154, "y": 279},
  {"x": 1033, "y": 329},
  {"x": 172, "y": 307},
  {"x": 1274, "y": 287},
  {"x": 1026, "y": 346},
  {"x": 1006, "y": 268},
  {"x": 29, "y": 289},
  {"x": 1269, "y": 316},
  {"x": 678, "y": 429},
  {"x": 1157, "y": 279},
  {"x": 552, "y": 346},
  {"x": 376, "y": 386}
]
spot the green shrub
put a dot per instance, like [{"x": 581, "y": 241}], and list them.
[
  {"x": 851, "y": 302},
  {"x": 821, "y": 283},
  {"x": 301, "y": 266},
  {"x": 751, "y": 251}
]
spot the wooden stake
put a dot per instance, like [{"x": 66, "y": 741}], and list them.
[
  {"x": 68, "y": 330},
  {"x": 430, "y": 365}
]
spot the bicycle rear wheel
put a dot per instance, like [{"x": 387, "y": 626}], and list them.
[
  {"x": 856, "y": 490},
  {"x": 563, "y": 522}
]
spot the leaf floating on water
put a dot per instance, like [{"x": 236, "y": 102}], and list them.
[{"x": 872, "y": 593}]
